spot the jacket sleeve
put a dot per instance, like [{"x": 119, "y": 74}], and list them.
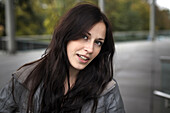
[
  {"x": 114, "y": 103},
  {"x": 7, "y": 102}
]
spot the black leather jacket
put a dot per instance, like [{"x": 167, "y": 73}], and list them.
[{"x": 110, "y": 100}]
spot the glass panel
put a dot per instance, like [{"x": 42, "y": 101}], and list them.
[{"x": 165, "y": 63}]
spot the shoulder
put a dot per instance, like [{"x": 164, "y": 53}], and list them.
[
  {"x": 21, "y": 74},
  {"x": 112, "y": 98},
  {"x": 110, "y": 86},
  {"x": 111, "y": 92}
]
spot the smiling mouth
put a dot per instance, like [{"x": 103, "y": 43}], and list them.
[{"x": 83, "y": 58}]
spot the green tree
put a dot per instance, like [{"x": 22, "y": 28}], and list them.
[
  {"x": 55, "y": 9},
  {"x": 27, "y": 21},
  {"x": 162, "y": 19},
  {"x": 41, "y": 16},
  {"x": 128, "y": 14}
]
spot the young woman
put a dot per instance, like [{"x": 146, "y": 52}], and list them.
[{"x": 75, "y": 75}]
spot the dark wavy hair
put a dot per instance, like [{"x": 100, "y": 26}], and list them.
[{"x": 51, "y": 70}]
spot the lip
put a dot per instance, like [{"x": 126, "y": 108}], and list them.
[{"x": 81, "y": 60}]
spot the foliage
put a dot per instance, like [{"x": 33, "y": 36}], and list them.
[
  {"x": 41, "y": 16},
  {"x": 128, "y": 14},
  {"x": 163, "y": 19},
  {"x": 55, "y": 10},
  {"x": 28, "y": 21}
]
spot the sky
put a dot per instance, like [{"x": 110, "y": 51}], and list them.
[{"x": 163, "y": 4}]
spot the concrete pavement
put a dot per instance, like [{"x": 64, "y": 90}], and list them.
[
  {"x": 138, "y": 71},
  {"x": 10, "y": 63}
]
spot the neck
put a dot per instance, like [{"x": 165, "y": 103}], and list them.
[
  {"x": 72, "y": 78},
  {"x": 73, "y": 75}
]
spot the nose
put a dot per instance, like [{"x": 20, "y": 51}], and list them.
[{"x": 89, "y": 47}]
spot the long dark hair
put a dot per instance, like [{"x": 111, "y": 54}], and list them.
[{"x": 52, "y": 69}]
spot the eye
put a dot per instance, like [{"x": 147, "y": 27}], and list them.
[
  {"x": 99, "y": 43},
  {"x": 85, "y": 37}
]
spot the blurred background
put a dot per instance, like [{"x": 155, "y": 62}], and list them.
[{"x": 141, "y": 30}]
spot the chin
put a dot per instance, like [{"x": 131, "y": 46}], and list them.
[{"x": 79, "y": 68}]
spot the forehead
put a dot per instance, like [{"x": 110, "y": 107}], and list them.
[{"x": 98, "y": 30}]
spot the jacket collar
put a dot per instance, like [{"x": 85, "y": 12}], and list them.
[
  {"x": 109, "y": 87},
  {"x": 24, "y": 72}
]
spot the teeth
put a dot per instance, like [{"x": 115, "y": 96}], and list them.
[{"x": 84, "y": 58}]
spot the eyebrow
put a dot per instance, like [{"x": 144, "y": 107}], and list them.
[
  {"x": 98, "y": 38},
  {"x": 88, "y": 33}
]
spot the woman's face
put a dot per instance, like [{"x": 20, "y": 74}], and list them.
[{"x": 82, "y": 51}]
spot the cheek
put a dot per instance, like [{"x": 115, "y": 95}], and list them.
[
  {"x": 96, "y": 52},
  {"x": 69, "y": 50},
  {"x": 72, "y": 47}
]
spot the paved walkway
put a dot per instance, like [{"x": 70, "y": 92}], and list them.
[
  {"x": 137, "y": 70},
  {"x": 10, "y": 63}
]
